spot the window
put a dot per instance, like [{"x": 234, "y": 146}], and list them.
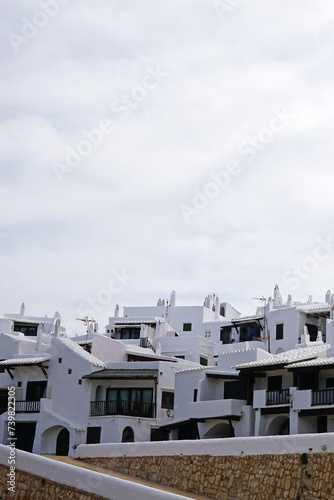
[
  {"x": 226, "y": 334},
  {"x": 69, "y": 371},
  {"x": 279, "y": 331},
  {"x": 308, "y": 380},
  {"x": 180, "y": 357},
  {"x": 322, "y": 424},
  {"x": 249, "y": 331},
  {"x": 167, "y": 400},
  {"x": 3, "y": 400},
  {"x": 27, "y": 329},
  {"x": 187, "y": 327},
  {"x": 93, "y": 435},
  {"x": 207, "y": 333},
  {"x": 133, "y": 402},
  {"x": 159, "y": 435},
  {"x": 313, "y": 332},
  {"x": 195, "y": 394},
  {"x": 329, "y": 383},
  {"x": 80, "y": 381},
  {"x": 19, "y": 384},
  {"x": 130, "y": 333},
  {"x": 275, "y": 383},
  {"x": 203, "y": 361},
  {"x": 60, "y": 360},
  {"x": 235, "y": 390},
  {"x": 35, "y": 390}
]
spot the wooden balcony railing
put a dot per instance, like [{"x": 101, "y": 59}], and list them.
[
  {"x": 130, "y": 408},
  {"x": 280, "y": 397},
  {"x": 27, "y": 406},
  {"x": 323, "y": 397}
]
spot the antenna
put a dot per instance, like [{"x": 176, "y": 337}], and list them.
[
  {"x": 87, "y": 324},
  {"x": 266, "y": 333}
]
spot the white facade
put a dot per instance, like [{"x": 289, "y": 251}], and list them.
[
  {"x": 157, "y": 374},
  {"x": 168, "y": 319},
  {"x": 61, "y": 404}
]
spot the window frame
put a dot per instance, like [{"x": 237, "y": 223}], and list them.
[{"x": 279, "y": 331}]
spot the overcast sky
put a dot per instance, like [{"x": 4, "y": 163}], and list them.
[{"x": 150, "y": 146}]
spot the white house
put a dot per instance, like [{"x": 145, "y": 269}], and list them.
[
  {"x": 170, "y": 372},
  {"x": 168, "y": 319},
  {"x": 66, "y": 395}
]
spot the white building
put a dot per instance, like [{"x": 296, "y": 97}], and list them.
[
  {"x": 254, "y": 392},
  {"x": 163, "y": 373},
  {"x": 167, "y": 319},
  {"x": 66, "y": 395}
]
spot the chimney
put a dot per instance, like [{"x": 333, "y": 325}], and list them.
[
  {"x": 40, "y": 332},
  {"x": 217, "y": 308},
  {"x": 57, "y": 327}
]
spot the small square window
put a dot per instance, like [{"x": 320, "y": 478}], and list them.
[
  {"x": 167, "y": 400},
  {"x": 279, "y": 331},
  {"x": 69, "y": 371},
  {"x": 19, "y": 384},
  {"x": 203, "y": 361},
  {"x": 80, "y": 381},
  {"x": 60, "y": 360},
  {"x": 187, "y": 327}
]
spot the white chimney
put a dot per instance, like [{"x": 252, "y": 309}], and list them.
[
  {"x": 40, "y": 331},
  {"x": 217, "y": 308},
  {"x": 57, "y": 327}
]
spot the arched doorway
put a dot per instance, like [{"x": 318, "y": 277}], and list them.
[
  {"x": 222, "y": 430},
  {"x": 279, "y": 426},
  {"x": 63, "y": 442},
  {"x": 128, "y": 435}
]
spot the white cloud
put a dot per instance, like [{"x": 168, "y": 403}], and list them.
[{"x": 118, "y": 209}]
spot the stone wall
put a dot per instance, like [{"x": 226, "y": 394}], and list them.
[
  {"x": 253, "y": 477},
  {"x": 31, "y": 487}
]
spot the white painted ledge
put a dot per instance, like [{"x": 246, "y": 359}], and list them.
[{"x": 262, "y": 445}]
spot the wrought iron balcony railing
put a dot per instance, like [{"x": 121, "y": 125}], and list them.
[
  {"x": 323, "y": 397},
  {"x": 130, "y": 408},
  {"x": 27, "y": 406},
  {"x": 280, "y": 397}
]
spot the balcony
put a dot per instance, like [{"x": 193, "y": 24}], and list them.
[
  {"x": 27, "y": 406},
  {"x": 216, "y": 408},
  {"x": 129, "y": 408},
  {"x": 323, "y": 397},
  {"x": 281, "y": 397}
]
